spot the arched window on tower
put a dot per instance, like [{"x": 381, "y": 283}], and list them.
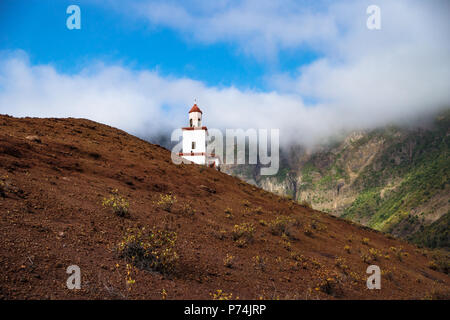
[{"x": 190, "y": 121}]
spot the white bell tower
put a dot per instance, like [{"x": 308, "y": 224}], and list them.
[
  {"x": 195, "y": 117},
  {"x": 194, "y": 137}
]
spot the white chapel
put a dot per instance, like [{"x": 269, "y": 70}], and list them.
[{"x": 195, "y": 140}]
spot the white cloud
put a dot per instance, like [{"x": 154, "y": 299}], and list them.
[
  {"x": 264, "y": 27},
  {"x": 375, "y": 76},
  {"x": 259, "y": 27},
  {"x": 137, "y": 101}
]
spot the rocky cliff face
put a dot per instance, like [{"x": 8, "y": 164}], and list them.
[{"x": 391, "y": 179}]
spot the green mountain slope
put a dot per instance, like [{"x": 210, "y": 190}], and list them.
[
  {"x": 435, "y": 235},
  {"x": 391, "y": 179}
]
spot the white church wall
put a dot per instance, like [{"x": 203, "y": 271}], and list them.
[{"x": 197, "y": 136}]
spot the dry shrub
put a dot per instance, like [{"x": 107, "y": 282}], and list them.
[
  {"x": 306, "y": 204},
  {"x": 259, "y": 263},
  {"x": 228, "y": 213},
  {"x": 117, "y": 203},
  {"x": 246, "y": 203},
  {"x": 399, "y": 253},
  {"x": 150, "y": 250},
  {"x": 283, "y": 225},
  {"x": 438, "y": 294},
  {"x": 2, "y": 189},
  {"x": 367, "y": 257},
  {"x": 440, "y": 261},
  {"x": 228, "y": 261},
  {"x": 243, "y": 234},
  {"x": 330, "y": 285},
  {"x": 220, "y": 295},
  {"x": 317, "y": 225},
  {"x": 187, "y": 209},
  {"x": 308, "y": 232},
  {"x": 257, "y": 210},
  {"x": 166, "y": 202},
  {"x": 341, "y": 263}
]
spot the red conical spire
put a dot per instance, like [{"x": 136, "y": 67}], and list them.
[{"x": 195, "y": 108}]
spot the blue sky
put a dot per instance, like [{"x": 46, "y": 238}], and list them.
[
  {"x": 310, "y": 68},
  {"x": 39, "y": 28}
]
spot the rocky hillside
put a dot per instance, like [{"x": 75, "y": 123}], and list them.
[
  {"x": 75, "y": 192},
  {"x": 391, "y": 179}
]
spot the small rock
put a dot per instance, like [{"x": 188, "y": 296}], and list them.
[
  {"x": 210, "y": 190},
  {"x": 33, "y": 139}
]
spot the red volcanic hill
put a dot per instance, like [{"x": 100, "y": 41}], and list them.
[{"x": 230, "y": 236}]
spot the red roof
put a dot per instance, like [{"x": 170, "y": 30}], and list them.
[{"x": 195, "y": 109}]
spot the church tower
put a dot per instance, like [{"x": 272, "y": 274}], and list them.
[
  {"x": 194, "y": 137},
  {"x": 194, "y": 140},
  {"x": 195, "y": 117}
]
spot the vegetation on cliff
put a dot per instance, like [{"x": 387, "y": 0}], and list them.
[{"x": 393, "y": 179}]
